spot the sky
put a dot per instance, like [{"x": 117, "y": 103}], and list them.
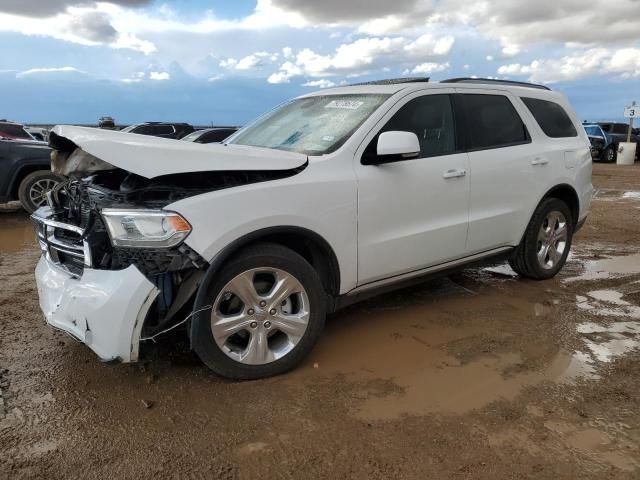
[{"x": 226, "y": 62}]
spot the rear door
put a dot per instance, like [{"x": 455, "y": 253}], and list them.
[{"x": 506, "y": 173}]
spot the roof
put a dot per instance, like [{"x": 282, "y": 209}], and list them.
[{"x": 397, "y": 85}]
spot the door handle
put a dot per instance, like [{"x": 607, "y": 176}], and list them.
[
  {"x": 539, "y": 161},
  {"x": 454, "y": 173}
]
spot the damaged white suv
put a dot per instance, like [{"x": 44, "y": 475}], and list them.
[{"x": 329, "y": 198}]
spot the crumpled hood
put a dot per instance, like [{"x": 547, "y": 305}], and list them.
[{"x": 152, "y": 157}]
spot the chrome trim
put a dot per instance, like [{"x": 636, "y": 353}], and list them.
[
  {"x": 50, "y": 245},
  {"x": 42, "y": 215},
  {"x": 425, "y": 271}
]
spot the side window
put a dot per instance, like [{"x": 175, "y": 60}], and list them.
[
  {"x": 551, "y": 117},
  {"x": 144, "y": 130},
  {"x": 215, "y": 136},
  {"x": 163, "y": 130},
  {"x": 620, "y": 129},
  {"x": 493, "y": 122},
  {"x": 606, "y": 127},
  {"x": 430, "y": 117}
]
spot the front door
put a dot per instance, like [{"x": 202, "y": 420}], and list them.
[{"x": 413, "y": 213}]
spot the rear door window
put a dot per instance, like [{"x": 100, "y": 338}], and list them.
[
  {"x": 551, "y": 117},
  {"x": 493, "y": 122}
]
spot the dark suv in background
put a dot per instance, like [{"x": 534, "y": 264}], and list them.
[
  {"x": 160, "y": 129},
  {"x": 25, "y": 173},
  {"x": 618, "y": 131}
]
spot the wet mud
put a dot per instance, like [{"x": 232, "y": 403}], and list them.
[{"x": 477, "y": 375}]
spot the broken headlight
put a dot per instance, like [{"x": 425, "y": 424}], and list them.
[{"x": 145, "y": 228}]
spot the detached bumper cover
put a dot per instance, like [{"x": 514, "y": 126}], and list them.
[{"x": 103, "y": 309}]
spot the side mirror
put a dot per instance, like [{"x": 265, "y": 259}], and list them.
[
  {"x": 394, "y": 146},
  {"x": 405, "y": 144}
]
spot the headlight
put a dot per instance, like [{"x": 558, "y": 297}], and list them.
[{"x": 145, "y": 228}]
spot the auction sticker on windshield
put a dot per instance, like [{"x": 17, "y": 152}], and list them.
[{"x": 346, "y": 104}]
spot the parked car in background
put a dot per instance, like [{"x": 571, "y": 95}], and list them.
[
  {"x": 619, "y": 131},
  {"x": 210, "y": 135},
  {"x": 25, "y": 173},
  {"x": 13, "y": 131},
  {"x": 604, "y": 147},
  {"x": 160, "y": 129},
  {"x": 38, "y": 133},
  {"x": 326, "y": 200},
  {"x": 107, "y": 123}
]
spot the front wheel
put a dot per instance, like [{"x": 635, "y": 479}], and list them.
[
  {"x": 545, "y": 246},
  {"x": 267, "y": 311}
]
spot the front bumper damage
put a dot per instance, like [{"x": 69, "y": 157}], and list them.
[{"x": 103, "y": 309}]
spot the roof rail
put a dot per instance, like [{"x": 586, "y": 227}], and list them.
[
  {"x": 392, "y": 81},
  {"x": 495, "y": 81}
]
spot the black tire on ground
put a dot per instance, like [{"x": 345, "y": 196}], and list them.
[
  {"x": 266, "y": 256},
  {"x": 609, "y": 154},
  {"x": 34, "y": 186},
  {"x": 524, "y": 260}
]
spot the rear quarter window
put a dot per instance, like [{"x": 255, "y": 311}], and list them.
[{"x": 551, "y": 117}]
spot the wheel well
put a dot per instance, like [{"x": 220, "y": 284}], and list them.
[
  {"x": 309, "y": 245},
  {"x": 568, "y": 195},
  {"x": 20, "y": 175}
]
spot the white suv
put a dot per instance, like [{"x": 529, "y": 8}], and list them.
[{"x": 329, "y": 198}]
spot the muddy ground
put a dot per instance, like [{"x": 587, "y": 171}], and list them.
[{"x": 479, "y": 375}]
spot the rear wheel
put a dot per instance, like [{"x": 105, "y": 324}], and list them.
[
  {"x": 33, "y": 189},
  {"x": 546, "y": 243},
  {"x": 609, "y": 155},
  {"x": 267, "y": 312}
]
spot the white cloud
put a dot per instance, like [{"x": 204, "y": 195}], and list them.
[
  {"x": 287, "y": 71},
  {"x": 428, "y": 68},
  {"x": 322, "y": 83},
  {"x": 427, "y": 44},
  {"x": 625, "y": 61},
  {"x": 248, "y": 62},
  {"x": 215, "y": 78},
  {"x": 489, "y": 58},
  {"x": 228, "y": 63},
  {"x": 35, "y": 71},
  {"x": 358, "y": 57},
  {"x": 89, "y": 26},
  {"x": 594, "y": 61},
  {"x": 159, "y": 76}
]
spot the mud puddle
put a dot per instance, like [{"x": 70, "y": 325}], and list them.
[
  {"x": 438, "y": 348},
  {"x": 607, "y": 194},
  {"x": 16, "y": 232},
  {"x": 457, "y": 345}
]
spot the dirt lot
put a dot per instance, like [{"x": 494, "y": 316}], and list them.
[{"x": 480, "y": 375}]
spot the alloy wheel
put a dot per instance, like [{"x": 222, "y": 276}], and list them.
[
  {"x": 38, "y": 191},
  {"x": 260, "y": 315},
  {"x": 552, "y": 240}
]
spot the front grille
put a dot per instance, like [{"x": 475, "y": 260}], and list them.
[{"x": 62, "y": 243}]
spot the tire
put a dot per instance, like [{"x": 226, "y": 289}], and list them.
[
  {"x": 530, "y": 258},
  {"x": 33, "y": 188},
  {"x": 241, "y": 327},
  {"x": 610, "y": 154}
]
